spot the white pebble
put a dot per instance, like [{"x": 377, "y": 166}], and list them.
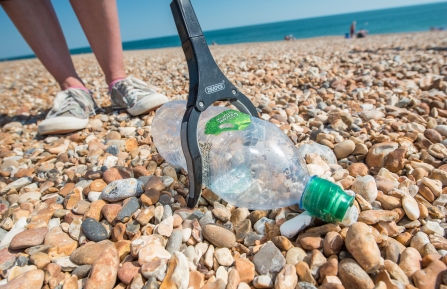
[
  {"x": 93, "y": 196},
  {"x": 433, "y": 227},
  {"x": 221, "y": 273},
  {"x": 223, "y": 256},
  {"x": 410, "y": 207},
  {"x": 18, "y": 227},
  {"x": 209, "y": 257},
  {"x": 263, "y": 281},
  {"x": 291, "y": 227},
  {"x": 186, "y": 234},
  {"x": 366, "y": 187}
]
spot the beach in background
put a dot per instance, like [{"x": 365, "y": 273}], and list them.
[{"x": 386, "y": 21}]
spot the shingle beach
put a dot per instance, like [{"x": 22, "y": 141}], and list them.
[{"x": 100, "y": 208}]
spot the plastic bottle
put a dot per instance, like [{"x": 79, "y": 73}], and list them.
[{"x": 249, "y": 162}]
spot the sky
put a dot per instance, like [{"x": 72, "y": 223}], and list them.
[{"x": 142, "y": 19}]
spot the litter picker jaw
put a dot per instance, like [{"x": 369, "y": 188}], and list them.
[{"x": 207, "y": 84}]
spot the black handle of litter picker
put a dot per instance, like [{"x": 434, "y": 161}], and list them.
[{"x": 207, "y": 84}]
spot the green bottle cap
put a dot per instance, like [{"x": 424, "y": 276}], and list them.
[{"x": 325, "y": 200}]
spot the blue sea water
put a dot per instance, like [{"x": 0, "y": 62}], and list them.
[{"x": 395, "y": 20}]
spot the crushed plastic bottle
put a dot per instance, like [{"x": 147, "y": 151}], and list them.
[{"x": 249, "y": 162}]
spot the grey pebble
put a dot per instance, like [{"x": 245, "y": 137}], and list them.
[
  {"x": 174, "y": 242},
  {"x": 167, "y": 211},
  {"x": 112, "y": 149},
  {"x": 120, "y": 189},
  {"x": 269, "y": 259},
  {"x": 94, "y": 230},
  {"x": 82, "y": 271},
  {"x": 128, "y": 209},
  {"x": 197, "y": 214},
  {"x": 83, "y": 183},
  {"x": 132, "y": 227},
  {"x": 207, "y": 218},
  {"x": 250, "y": 238},
  {"x": 59, "y": 200},
  {"x": 167, "y": 181},
  {"x": 165, "y": 199},
  {"x": 22, "y": 261}
]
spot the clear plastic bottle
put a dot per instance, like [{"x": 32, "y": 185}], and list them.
[{"x": 248, "y": 162}]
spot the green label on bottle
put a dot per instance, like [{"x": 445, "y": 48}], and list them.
[{"x": 227, "y": 120}]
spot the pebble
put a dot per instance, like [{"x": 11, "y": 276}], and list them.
[
  {"x": 344, "y": 149},
  {"x": 18, "y": 227},
  {"x": 127, "y": 272},
  {"x": 130, "y": 205},
  {"x": 332, "y": 243},
  {"x": 61, "y": 243},
  {"x": 151, "y": 252},
  {"x": 361, "y": 244},
  {"x": 269, "y": 259},
  {"x": 177, "y": 275},
  {"x": 222, "y": 274},
  {"x": 223, "y": 256},
  {"x": 287, "y": 278},
  {"x": 366, "y": 187},
  {"x": 16, "y": 185},
  {"x": 30, "y": 279},
  {"x": 121, "y": 189},
  {"x": 291, "y": 227},
  {"x": 65, "y": 263},
  {"x": 245, "y": 268},
  {"x": 174, "y": 241},
  {"x": 260, "y": 225},
  {"x": 233, "y": 279},
  {"x": 428, "y": 277},
  {"x": 74, "y": 229},
  {"x": 166, "y": 226},
  {"x": 28, "y": 238},
  {"x": 411, "y": 207},
  {"x": 263, "y": 281},
  {"x": 377, "y": 154},
  {"x": 88, "y": 253},
  {"x": 304, "y": 273},
  {"x": 82, "y": 271},
  {"x": 442, "y": 129},
  {"x": 94, "y": 230},
  {"x": 104, "y": 270},
  {"x": 410, "y": 261},
  {"x": 155, "y": 269},
  {"x": 219, "y": 236},
  {"x": 295, "y": 255},
  {"x": 353, "y": 276}
]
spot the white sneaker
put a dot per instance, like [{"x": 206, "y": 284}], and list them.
[
  {"x": 136, "y": 96},
  {"x": 71, "y": 111}
]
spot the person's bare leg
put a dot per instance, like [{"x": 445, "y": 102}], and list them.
[
  {"x": 39, "y": 26},
  {"x": 99, "y": 20}
]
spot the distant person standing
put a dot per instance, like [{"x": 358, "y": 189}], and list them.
[{"x": 352, "y": 29}]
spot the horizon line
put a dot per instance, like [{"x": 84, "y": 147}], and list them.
[{"x": 73, "y": 50}]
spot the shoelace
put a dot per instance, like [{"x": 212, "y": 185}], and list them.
[
  {"x": 74, "y": 102},
  {"x": 132, "y": 88}
]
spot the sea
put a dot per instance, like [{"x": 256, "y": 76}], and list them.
[{"x": 385, "y": 21}]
